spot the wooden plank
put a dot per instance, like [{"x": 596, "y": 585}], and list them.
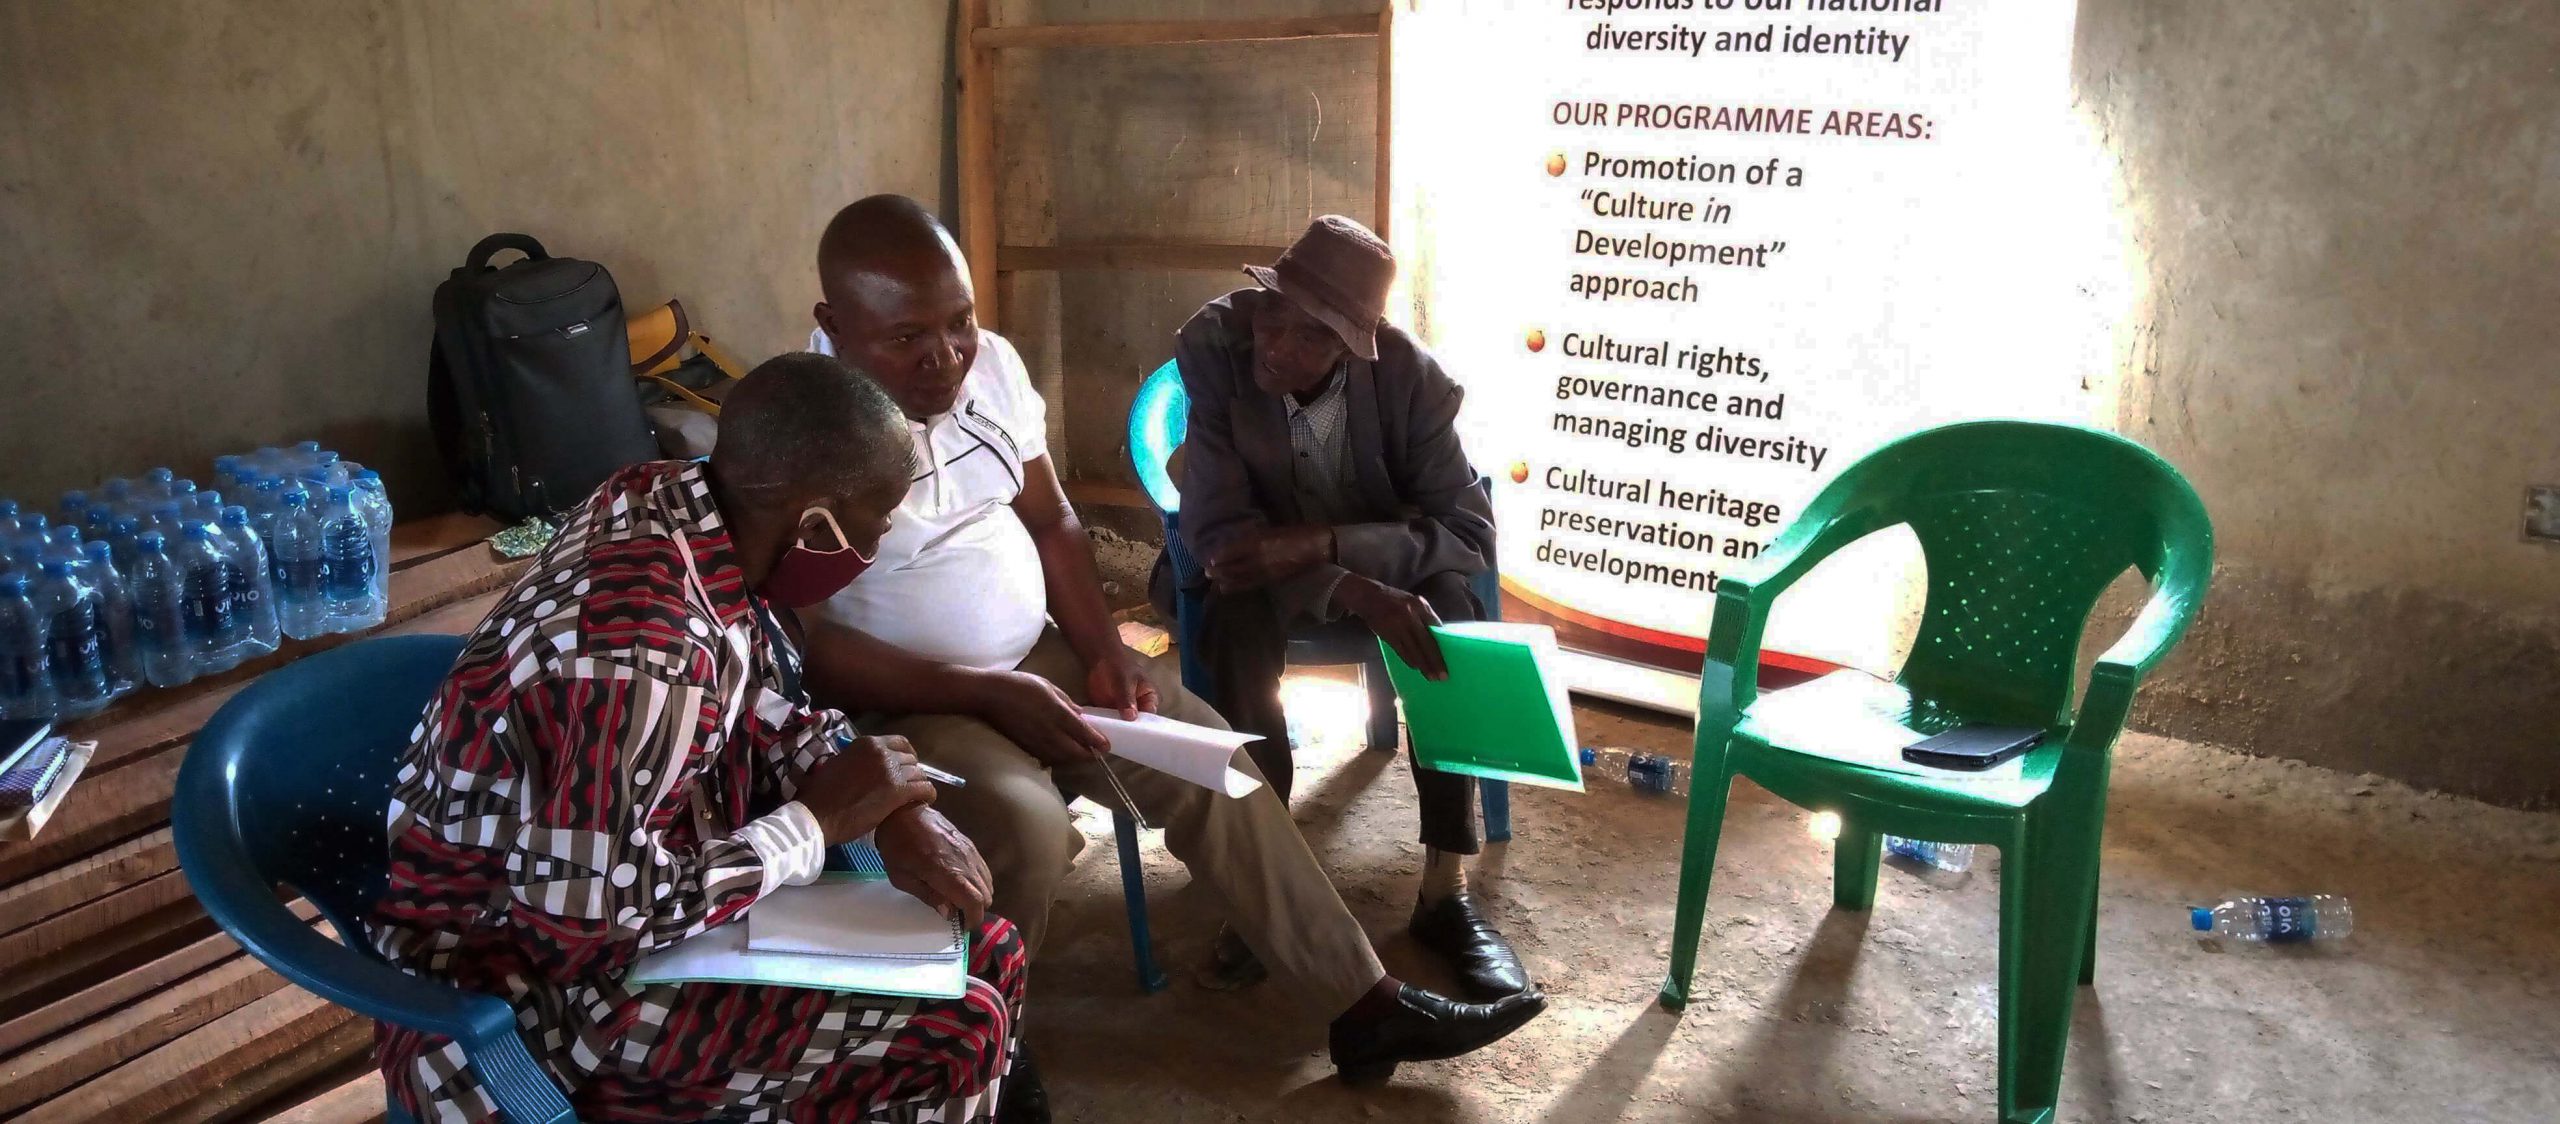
[
  {"x": 30, "y": 989},
  {"x": 435, "y": 584},
  {"x": 975, "y": 65},
  {"x": 436, "y": 536},
  {"x": 66, "y": 887},
  {"x": 150, "y": 1086},
  {"x": 323, "y": 1061},
  {"x": 1170, "y": 32},
  {"x": 1385, "y": 206},
  {"x": 93, "y": 1049},
  {"x": 86, "y": 921},
  {"x": 359, "y": 1101},
  {"x": 1082, "y": 492},
  {"x": 114, "y": 990},
  {"x": 1135, "y": 255}
]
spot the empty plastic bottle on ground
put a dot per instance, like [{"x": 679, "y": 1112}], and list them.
[
  {"x": 347, "y": 544},
  {"x": 26, "y": 691},
  {"x": 1956, "y": 857},
  {"x": 253, "y": 601},
  {"x": 74, "y": 653},
  {"x": 115, "y": 618},
  {"x": 214, "y": 636},
  {"x": 2318, "y": 917},
  {"x": 159, "y": 613},
  {"x": 301, "y": 568}
]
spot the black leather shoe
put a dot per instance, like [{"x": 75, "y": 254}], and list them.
[
  {"x": 1454, "y": 927},
  {"x": 1424, "y": 1028},
  {"x": 1024, "y": 1100}
]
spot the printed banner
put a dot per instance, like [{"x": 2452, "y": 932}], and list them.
[{"x": 1693, "y": 257}]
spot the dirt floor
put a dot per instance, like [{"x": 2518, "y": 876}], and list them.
[{"x": 2443, "y": 1006}]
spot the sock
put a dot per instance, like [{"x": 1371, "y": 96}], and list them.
[
  {"x": 1379, "y": 1002},
  {"x": 1444, "y": 875}
]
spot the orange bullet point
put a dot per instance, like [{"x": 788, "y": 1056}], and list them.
[
  {"x": 1537, "y": 340},
  {"x": 1555, "y": 163},
  {"x": 1519, "y": 472}
]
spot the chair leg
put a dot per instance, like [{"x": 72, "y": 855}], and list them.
[
  {"x": 1386, "y": 735},
  {"x": 1496, "y": 797},
  {"x": 1697, "y": 868},
  {"x": 2089, "y": 944},
  {"x": 1133, "y": 889},
  {"x": 1855, "y": 859},
  {"x": 2045, "y": 895}
]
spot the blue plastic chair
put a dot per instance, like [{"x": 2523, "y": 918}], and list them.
[
  {"x": 1159, "y": 420},
  {"x": 289, "y": 783}
]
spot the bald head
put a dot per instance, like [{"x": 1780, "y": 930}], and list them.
[
  {"x": 804, "y": 429},
  {"x": 898, "y": 304},
  {"x": 889, "y": 234}
]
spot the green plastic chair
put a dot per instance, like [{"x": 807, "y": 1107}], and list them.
[{"x": 2022, "y": 526}]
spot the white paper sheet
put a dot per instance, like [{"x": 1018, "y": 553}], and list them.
[
  {"x": 1203, "y": 755},
  {"x": 722, "y": 956},
  {"x": 852, "y": 917}
]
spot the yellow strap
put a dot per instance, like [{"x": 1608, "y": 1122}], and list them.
[{"x": 685, "y": 392}]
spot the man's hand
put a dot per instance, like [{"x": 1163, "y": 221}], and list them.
[
  {"x": 1033, "y": 713},
  {"x": 1401, "y": 619},
  {"x": 1255, "y": 559},
  {"x": 929, "y": 858},
  {"x": 862, "y": 785},
  {"x": 1118, "y": 681}
]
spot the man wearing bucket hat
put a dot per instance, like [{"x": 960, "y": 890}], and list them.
[{"x": 1323, "y": 481}]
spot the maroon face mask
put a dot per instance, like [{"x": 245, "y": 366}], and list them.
[{"x": 805, "y": 575}]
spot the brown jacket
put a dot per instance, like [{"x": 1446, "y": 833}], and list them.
[{"x": 1423, "y": 511}]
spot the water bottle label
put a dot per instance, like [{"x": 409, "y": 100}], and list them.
[
  {"x": 300, "y": 575},
  {"x": 2287, "y": 920},
  {"x": 207, "y": 606},
  {"x": 351, "y": 573},
  {"x": 73, "y": 650},
  {"x": 20, "y": 675},
  {"x": 244, "y": 593}
]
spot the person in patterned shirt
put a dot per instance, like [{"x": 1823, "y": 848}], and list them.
[{"x": 624, "y": 757}]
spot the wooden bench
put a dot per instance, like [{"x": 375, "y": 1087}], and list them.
[{"x": 119, "y": 999}]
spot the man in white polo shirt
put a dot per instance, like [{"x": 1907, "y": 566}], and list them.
[{"x": 980, "y": 627}]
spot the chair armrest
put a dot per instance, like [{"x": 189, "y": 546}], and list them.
[{"x": 1729, "y": 677}]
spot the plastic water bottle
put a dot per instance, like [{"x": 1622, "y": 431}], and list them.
[
  {"x": 264, "y": 503},
  {"x": 253, "y": 592},
  {"x": 8, "y": 509},
  {"x": 115, "y": 618},
  {"x": 347, "y": 544},
  {"x": 2318, "y": 917},
  {"x": 116, "y": 494},
  {"x": 127, "y": 537},
  {"x": 301, "y": 568},
  {"x": 74, "y": 508},
  {"x": 62, "y": 544},
  {"x": 214, "y": 636},
  {"x": 159, "y": 613},
  {"x": 73, "y": 653},
  {"x": 26, "y": 691},
  {"x": 1954, "y": 857},
  {"x": 1652, "y": 774},
  {"x": 376, "y": 504},
  {"x": 323, "y": 468},
  {"x": 33, "y": 527},
  {"x": 154, "y": 487}
]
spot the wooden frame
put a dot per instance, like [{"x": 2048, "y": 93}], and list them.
[{"x": 974, "y": 50}]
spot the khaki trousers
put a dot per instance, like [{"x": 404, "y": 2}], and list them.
[{"x": 1245, "y": 850}]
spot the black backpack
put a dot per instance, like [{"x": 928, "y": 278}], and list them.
[{"x": 529, "y": 381}]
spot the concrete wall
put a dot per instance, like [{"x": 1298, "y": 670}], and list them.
[
  {"x": 222, "y": 221},
  {"x": 2348, "y": 336}
]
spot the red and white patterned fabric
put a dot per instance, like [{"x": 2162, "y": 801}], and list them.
[{"x": 608, "y": 769}]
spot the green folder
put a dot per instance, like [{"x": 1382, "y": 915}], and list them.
[{"x": 1502, "y": 713}]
